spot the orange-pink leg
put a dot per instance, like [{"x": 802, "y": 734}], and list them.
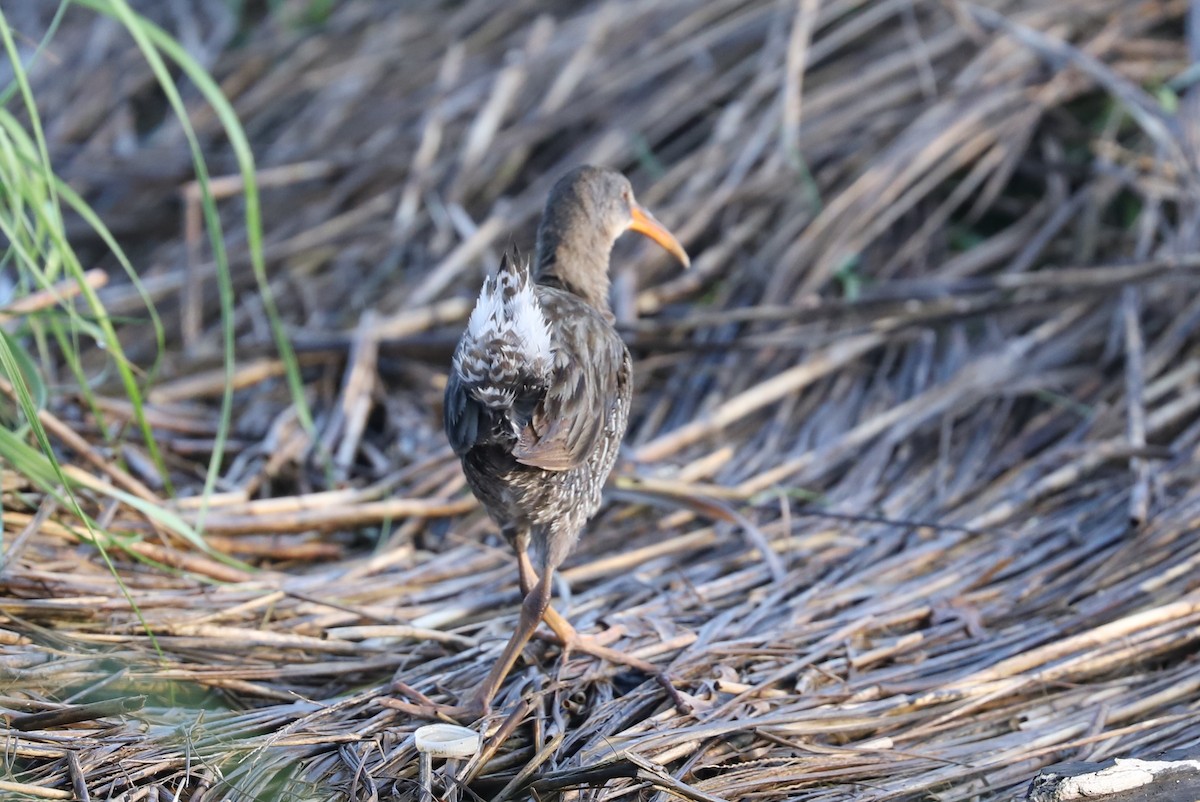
[
  {"x": 572, "y": 640},
  {"x": 535, "y": 609}
]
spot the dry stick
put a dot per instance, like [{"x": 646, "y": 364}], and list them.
[
  {"x": 1173, "y": 413},
  {"x": 1135, "y": 390},
  {"x": 159, "y": 287},
  {"x": 73, "y": 714},
  {"x": 974, "y": 259},
  {"x": 404, "y": 323},
  {"x": 33, "y": 527},
  {"x": 325, "y": 520},
  {"x": 78, "y": 444},
  {"x": 432, "y": 132},
  {"x": 1056, "y": 481},
  {"x": 1016, "y": 133},
  {"x": 221, "y": 187},
  {"x": 1106, "y": 735},
  {"x": 946, "y": 153},
  {"x": 505, "y": 90},
  {"x": 1102, "y": 635},
  {"x": 270, "y": 547},
  {"x": 1144, "y": 110},
  {"x": 227, "y": 186},
  {"x": 923, "y": 299},
  {"x": 35, "y": 791},
  {"x": 253, "y": 605},
  {"x": 399, "y": 632},
  {"x": 345, "y": 223},
  {"x": 183, "y": 420},
  {"x": 211, "y": 383},
  {"x": 247, "y": 637},
  {"x": 321, "y": 500},
  {"x": 458, "y": 259},
  {"x": 819, "y": 650},
  {"x": 48, "y": 527},
  {"x": 630, "y": 560},
  {"x": 533, "y": 764},
  {"x": 188, "y": 561},
  {"x": 1069, "y": 669},
  {"x": 191, "y": 301},
  {"x": 1135, "y": 369},
  {"x": 876, "y": 194},
  {"x": 624, "y": 764},
  {"x": 139, "y": 461},
  {"x": 920, "y": 49},
  {"x": 492, "y": 745},
  {"x": 567, "y": 80},
  {"x": 793, "y": 83},
  {"x": 974, "y": 377},
  {"x": 792, "y": 380},
  {"x": 75, "y": 442},
  {"x": 679, "y": 494},
  {"x": 414, "y": 321},
  {"x": 1143, "y": 647},
  {"x": 356, "y": 401},
  {"x": 57, "y": 295},
  {"x": 1192, "y": 31},
  {"x": 704, "y": 268},
  {"x": 291, "y": 443},
  {"x": 78, "y": 780},
  {"x": 10, "y": 638}
]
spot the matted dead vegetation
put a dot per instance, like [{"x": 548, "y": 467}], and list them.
[{"x": 944, "y": 287}]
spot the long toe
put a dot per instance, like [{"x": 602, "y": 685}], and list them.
[{"x": 591, "y": 645}]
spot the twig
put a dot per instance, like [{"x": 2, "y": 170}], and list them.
[
  {"x": 59, "y": 294},
  {"x": 1139, "y": 495}
]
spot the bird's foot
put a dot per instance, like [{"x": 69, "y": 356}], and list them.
[
  {"x": 423, "y": 707},
  {"x": 574, "y": 641}
]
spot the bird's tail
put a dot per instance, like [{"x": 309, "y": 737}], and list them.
[{"x": 505, "y": 354}]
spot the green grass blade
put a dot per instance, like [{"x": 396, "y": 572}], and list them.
[
  {"x": 50, "y": 223},
  {"x": 151, "y": 39}
]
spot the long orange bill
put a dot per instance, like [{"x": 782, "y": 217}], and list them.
[{"x": 644, "y": 223}]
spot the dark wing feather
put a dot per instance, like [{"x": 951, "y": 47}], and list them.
[
  {"x": 469, "y": 422},
  {"x": 591, "y": 376},
  {"x": 462, "y": 416}
]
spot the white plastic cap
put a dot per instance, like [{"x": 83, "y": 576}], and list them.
[{"x": 446, "y": 740}]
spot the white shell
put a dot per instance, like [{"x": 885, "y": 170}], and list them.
[{"x": 447, "y": 740}]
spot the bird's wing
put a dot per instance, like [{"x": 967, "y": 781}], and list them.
[
  {"x": 591, "y": 377},
  {"x": 470, "y": 422},
  {"x": 462, "y": 415},
  {"x": 500, "y": 368}
]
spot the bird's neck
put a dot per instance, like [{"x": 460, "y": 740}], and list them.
[{"x": 577, "y": 263}]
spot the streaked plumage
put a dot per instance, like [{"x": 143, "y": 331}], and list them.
[
  {"x": 538, "y": 396},
  {"x": 538, "y": 428}
]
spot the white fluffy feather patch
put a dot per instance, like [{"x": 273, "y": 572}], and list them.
[{"x": 506, "y": 330}]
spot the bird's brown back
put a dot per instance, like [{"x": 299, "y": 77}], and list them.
[{"x": 537, "y": 451}]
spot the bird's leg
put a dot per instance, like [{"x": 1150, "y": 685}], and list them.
[
  {"x": 537, "y": 601},
  {"x": 560, "y": 626},
  {"x": 526, "y": 576},
  {"x": 572, "y": 640},
  {"x": 478, "y": 706}
]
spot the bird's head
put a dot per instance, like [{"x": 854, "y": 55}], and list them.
[
  {"x": 605, "y": 197},
  {"x": 588, "y": 209}
]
